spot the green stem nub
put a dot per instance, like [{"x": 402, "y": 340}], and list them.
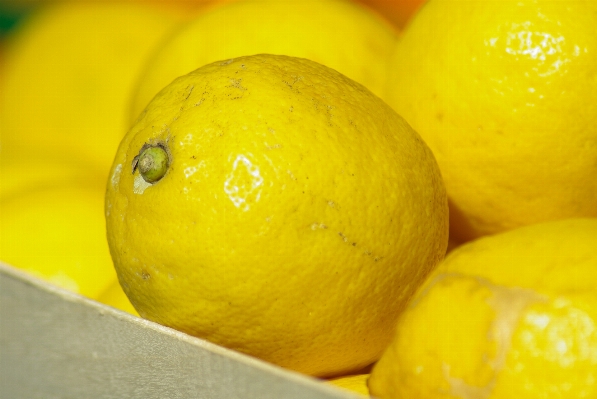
[{"x": 153, "y": 163}]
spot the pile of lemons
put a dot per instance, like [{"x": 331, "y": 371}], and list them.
[{"x": 395, "y": 197}]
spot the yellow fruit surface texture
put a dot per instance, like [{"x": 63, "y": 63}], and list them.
[
  {"x": 513, "y": 315},
  {"x": 340, "y": 34},
  {"x": 505, "y": 97},
  {"x": 296, "y": 216},
  {"x": 69, "y": 72}
]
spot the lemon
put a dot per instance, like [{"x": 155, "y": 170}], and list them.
[
  {"x": 115, "y": 297},
  {"x": 398, "y": 12},
  {"x": 512, "y": 315},
  {"x": 58, "y": 234},
  {"x": 504, "y": 97},
  {"x": 185, "y": 9},
  {"x": 22, "y": 172},
  {"x": 68, "y": 74},
  {"x": 271, "y": 205},
  {"x": 340, "y": 34},
  {"x": 354, "y": 383}
]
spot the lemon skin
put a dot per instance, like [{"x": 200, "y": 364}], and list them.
[{"x": 297, "y": 216}]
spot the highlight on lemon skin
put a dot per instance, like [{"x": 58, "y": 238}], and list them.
[{"x": 152, "y": 162}]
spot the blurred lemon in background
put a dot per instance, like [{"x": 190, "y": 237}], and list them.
[
  {"x": 504, "y": 97},
  {"x": 115, "y": 297},
  {"x": 354, "y": 383},
  {"x": 58, "y": 234},
  {"x": 185, "y": 9},
  {"x": 67, "y": 73},
  {"x": 512, "y": 315},
  {"x": 398, "y": 12},
  {"x": 69, "y": 69},
  {"x": 340, "y": 34},
  {"x": 271, "y": 205},
  {"x": 25, "y": 172}
]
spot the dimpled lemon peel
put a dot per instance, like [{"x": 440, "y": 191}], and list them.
[
  {"x": 297, "y": 215},
  {"x": 504, "y": 97},
  {"x": 340, "y": 34},
  {"x": 512, "y": 315}
]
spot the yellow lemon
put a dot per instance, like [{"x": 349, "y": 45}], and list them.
[
  {"x": 504, "y": 97},
  {"x": 513, "y": 315},
  {"x": 68, "y": 74},
  {"x": 273, "y": 206},
  {"x": 58, "y": 234},
  {"x": 337, "y": 33},
  {"x": 22, "y": 172},
  {"x": 354, "y": 383},
  {"x": 115, "y": 297}
]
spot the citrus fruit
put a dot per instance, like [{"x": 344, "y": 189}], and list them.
[
  {"x": 504, "y": 97},
  {"x": 354, "y": 383},
  {"x": 272, "y": 205},
  {"x": 185, "y": 9},
  {"x": 512, "y": 315},
  {"x": 26, "y": 171},
  {"x": 398, "y": 12},
  {"x": 58, "y": 234},
  {"x": 337, "y": 33},
  {"x": 115, "y": 297},
  {"x": 68, "y": 74}
]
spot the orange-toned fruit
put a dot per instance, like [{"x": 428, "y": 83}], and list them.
[{"x": 398, "y": 12}]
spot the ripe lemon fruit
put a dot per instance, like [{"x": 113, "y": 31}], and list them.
[
  {"x": 271, "y": 205},
  {"x": 504, "y": 97},
  {"x": 340, "y": 34},
  {"x": 69, "y": 71},
  {"x": 23, "y": 172},
  {"x": 513, "y": 315},
  {"x": 115, "y": 297},
  {"x": 58, "y": 234},
  {"x": 185, "y": 9},
  {"x": 354, "y": 383}
]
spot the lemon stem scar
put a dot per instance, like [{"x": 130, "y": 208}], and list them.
[{"x": 153, "y": 163}]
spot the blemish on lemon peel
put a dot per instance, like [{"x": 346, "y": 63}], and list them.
[
  {"x": 509, "y": 305},
  {"x": 243, "y": 184},
  {"x": 318, "y": 226},
  {"x": 115, "y": 179},
  {"x": 140, "y": 185}
]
